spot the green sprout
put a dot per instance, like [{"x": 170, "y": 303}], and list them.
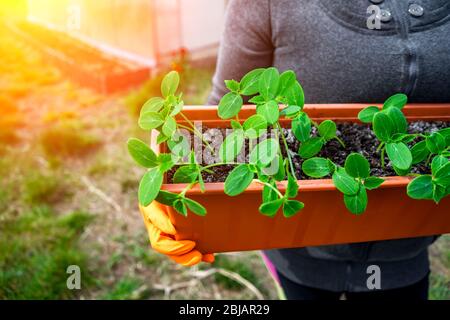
[{"x": 353, "y": 180}]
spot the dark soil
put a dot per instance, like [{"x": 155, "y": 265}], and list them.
[{"x": 357, "y": 138}]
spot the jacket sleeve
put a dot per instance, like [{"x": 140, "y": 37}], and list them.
[{"x": 246, "y": 43}]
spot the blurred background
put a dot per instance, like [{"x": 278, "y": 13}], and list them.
[{"x": 73, "y": 77}]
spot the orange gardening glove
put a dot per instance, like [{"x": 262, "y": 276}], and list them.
[{"x": 162, "y": 237}]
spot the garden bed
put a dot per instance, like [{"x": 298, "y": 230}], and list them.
[{"x": 80, "y": 62}]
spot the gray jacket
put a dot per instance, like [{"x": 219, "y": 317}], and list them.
[{"x": 338, "y": 59}]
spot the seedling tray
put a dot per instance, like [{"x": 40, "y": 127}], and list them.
[{"x": 235, "y": 224}]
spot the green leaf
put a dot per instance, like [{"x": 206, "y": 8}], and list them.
[
  {"x": 167, "y": 198},
  {"x": 446, "y": 134},
  {"x": 268, "y": 83},
  {"x": 195, "y": 207},
  {"x": 186, "y": 174},
  {"x": 402, "y": 172},
  {"x": 294, "y": 95},
  {"x": 437, "y": 163},
  {"x": 180, "y": 207},
  {"x": 398, "y": 120},
  {"x": 332, "y": 166},
  {"x": 161, "y": 138},
  {"x": 419, "y": 152},
  {"x": 399, "y": 154},
  {"x": 169, "y": 126},
  {"x": 357, "y": 166},
  {"x": 268, "y": 193},
  {"x": 231, "y": 146},
  {"x": 152, "y": 105},
  {"x": 141, "y": 153},
  {"x": 403, "y": 137},
  {"x": 292, "y": 187},
  {"x": 372, "y": 183},
  {"x": 383, "y": 126},
  {"x": 232, "y": 85},
  {"x": 357, "y": 204},
  {"x": 421, "y": 188},
  {"x": 310, "y": 147},
  {"x": 230, "y": 105},
  {"x": 235, "y": 124},
  {"x": 271, "y": 208},
  {"x": 192, "y": 158},
  {"x": 264, "y": 152},
  {"x": 255, "y": 126},
  {"x": 287, "y": 80},
  {"x": 316, "y": 167},
  {"x": 398, "y": 100},
  {"x": 439, "y": 192},
  {"x": 149, "y": 186},
  {"x": 169, "y": 85},
  {"x": 253, "y": 168},
  {"x": 170, "y": 102},
  {"x": 327, "y": 129},
  {"x": 257, "y": 100},
  {"x": 150, "y": 120},
  {"x": 274, "y": 169},
  {"x": 279, "y": 176},
  {"x": 292, "y": 207},
  {"x": 366, "y": 115},
  {"x": 301, "y": 127},
  {"x": 345, "y": 183},
  {"x": 165, "y": 162},
  {"x": 238, "y": 180},
  {"x": 435, "y": 143},
  {"x": 442, "y": 176},
  {"x": 290, "y": 111},
  {"x": 250, "y": 82},
  {"x": 269, "y": 111},
  {"x": 177, "y": 109},
  {"x": 201, "y": 183}
]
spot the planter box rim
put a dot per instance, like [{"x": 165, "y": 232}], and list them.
[
  {"x": 304, "y": 185},
  {"x": 310, "y": 106},
  {"x": 441, "y": 110}
]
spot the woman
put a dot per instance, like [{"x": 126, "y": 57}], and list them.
[{"x": 337, "y": 58}]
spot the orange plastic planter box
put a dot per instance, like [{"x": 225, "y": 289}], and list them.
[{"x": 235, "y": 224}]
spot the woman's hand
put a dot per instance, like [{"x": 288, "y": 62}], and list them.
[{"x": 162, "y": 237}]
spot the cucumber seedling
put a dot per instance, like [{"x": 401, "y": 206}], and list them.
[
  {"x": 353, "y": 180},
  {"x": 390, "y": 127},
  {"x": 267, "y": 163},
  {"x": 159, "y": 114},
  {"x": 435, "y": 186}
]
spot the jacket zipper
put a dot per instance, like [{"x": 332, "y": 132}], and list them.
[{"x": 411, "y": 56}]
